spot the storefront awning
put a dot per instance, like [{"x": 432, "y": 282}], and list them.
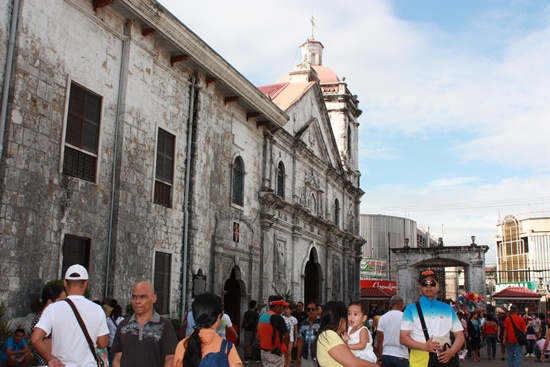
[
  {"x": 517, "y": 293},
  {"x": 374, "y": 294}
]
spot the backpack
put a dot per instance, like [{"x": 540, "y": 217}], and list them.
[{"x": 218, "y": 359}]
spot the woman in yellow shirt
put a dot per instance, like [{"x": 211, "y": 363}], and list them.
[{"x": 331, "y": 350}]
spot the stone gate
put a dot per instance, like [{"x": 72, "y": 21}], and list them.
[{"x": 409, "y": 261}]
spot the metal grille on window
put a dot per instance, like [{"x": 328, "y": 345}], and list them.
[
  {"x": 76, "y": 250},
  {"x": 79, "y": 164},
  {"x": 163, "y": 263},
  {"x": 163, "y": 194},
  {"x": 82, "y": 133},
  {"x": 164, "y": 173}
]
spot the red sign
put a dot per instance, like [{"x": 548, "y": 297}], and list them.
[{"x": 388, "y": 286}]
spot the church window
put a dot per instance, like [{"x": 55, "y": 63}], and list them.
[
  {"x": 336, "y": 212},
  {"x": 281, "y": 180},
  {"x": 76, "y": 250},
  {"x": 163, "y": 265},
  {"x": 237, "y": 195},
  {"x": 82, "y": 134},
  {"x": 164, "y": 174}
]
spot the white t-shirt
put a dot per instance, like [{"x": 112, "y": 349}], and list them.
[
  {"x": 225, "y": 322},
  {"x": 290, "y": 321},
  {"x": 69, "y": 344},
  {"x": 390, "y": 325}
]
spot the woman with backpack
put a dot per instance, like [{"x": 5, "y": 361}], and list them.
[{"x": 204, "y": 347}]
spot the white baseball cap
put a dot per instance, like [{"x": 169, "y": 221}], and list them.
[{"x": 76, "y": 272}]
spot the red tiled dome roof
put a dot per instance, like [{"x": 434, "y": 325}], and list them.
[{"x": 326, "y": 74}]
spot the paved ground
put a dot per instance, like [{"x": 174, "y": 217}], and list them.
[{"x": 484, "y": 362}]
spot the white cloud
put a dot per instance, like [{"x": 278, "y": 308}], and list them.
[{"x": 487, "y": 85}]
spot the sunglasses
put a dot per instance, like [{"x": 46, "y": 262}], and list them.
[
  {"x": 428, "y": 283},
  {"x": 311, "y": 309}
]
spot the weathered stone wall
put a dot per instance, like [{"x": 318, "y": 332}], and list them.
[
  {"x": 224, "y": 134},
  {"x": 40, "y": 204},
  {"x": 157, "y": 96},
  {"x": 5, "y": 25}
]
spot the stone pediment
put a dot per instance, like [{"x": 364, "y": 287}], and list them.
[{"x": 314, "y": 140}]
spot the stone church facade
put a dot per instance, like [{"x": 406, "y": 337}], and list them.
[{"x": 134, "y": 148}]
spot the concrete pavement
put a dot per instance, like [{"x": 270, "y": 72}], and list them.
[{"x": 484, "y": 362}]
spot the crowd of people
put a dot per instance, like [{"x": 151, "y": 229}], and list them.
[
  {"x": 495, "y": 330},
  {"x": 68, "y": 329}
]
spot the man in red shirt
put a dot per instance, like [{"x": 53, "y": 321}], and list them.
[{"x": 514, "y": 349}]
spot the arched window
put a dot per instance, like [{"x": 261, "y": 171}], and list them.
[
  {"x": 281, "y": 180},
  {"x": 336, "y": 212},
  {"x": 237, "y": 195}
]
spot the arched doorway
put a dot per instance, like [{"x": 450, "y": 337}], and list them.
[
  {"x": 311, "y": 281},
  {"x": 232, "y": 302}
]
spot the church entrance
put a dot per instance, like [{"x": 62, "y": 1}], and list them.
[
  {"x": 311, "y": 281},
  {"x": 232, "y": 302}
]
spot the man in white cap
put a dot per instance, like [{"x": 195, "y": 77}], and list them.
[{"x": 69, "y": 346}]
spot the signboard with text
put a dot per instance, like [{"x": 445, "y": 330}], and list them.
[{"x": 388, "y": 286}]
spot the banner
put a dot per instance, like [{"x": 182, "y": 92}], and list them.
[{"x": 373, "y": 268}]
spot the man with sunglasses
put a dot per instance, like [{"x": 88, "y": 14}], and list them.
[
  {"x": 307, "y": 336},
  {"x": 440, "y": 319}
]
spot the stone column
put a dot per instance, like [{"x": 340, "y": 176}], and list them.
[{"x": 476, "y": 277}]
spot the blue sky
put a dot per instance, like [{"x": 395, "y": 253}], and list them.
[{"x": 455, "y": 96}]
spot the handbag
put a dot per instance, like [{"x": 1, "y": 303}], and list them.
[
  {"x": 434, "y": 361},
  {"x": 100, "y": 360},
  {"x": 520, "y": 336}
]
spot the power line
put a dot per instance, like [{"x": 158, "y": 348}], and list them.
[{"x": 463, "y": 205}]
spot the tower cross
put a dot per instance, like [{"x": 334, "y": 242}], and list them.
[{"x": 312, "y": 21}]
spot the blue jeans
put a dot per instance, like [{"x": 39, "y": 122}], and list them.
[
  {"x": 538, "y": 352},
  {"x": 391, "y": 361},
  {"x": 530, "y": 345},
  {"x": 515, "y": 354},
  {"x": 491, "y": 340}
]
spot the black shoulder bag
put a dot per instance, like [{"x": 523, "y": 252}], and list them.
[
  {"x": 520, "y": 336},
  {"x": 99, "y": 361},
  {"x": 434, "y": 362}
]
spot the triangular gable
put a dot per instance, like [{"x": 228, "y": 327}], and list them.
[
  {"x": 313, "y": 127},
  {"x": 316, "y": 132},
  {"x": 313, "y": 137}
]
